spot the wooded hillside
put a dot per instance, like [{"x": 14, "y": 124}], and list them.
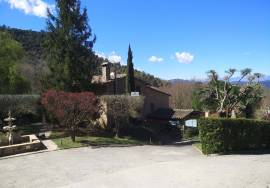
[{"x": 34, "y": 65}]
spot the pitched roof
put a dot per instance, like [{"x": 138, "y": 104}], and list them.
[
  {"x": 158, "y": 90},
  {"x": 152, "y": 87},
  {"x": 176, "y": 114},
  {"x": 97, "y": 79}
]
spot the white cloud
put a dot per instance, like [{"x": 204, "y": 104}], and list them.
[
  {"x": 101, "y": 54},
  {"x": 32, "y": 7},
  {"x": 184, "y": 57},
  {"x": 138, "y": 68},
  {"x": 155, "y": 59},
  {"x": 113, "y": 57}
]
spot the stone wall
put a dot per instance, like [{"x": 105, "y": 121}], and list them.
[
  {"x": 153, "y": 99},
  {"x": 33, "y": 145}
]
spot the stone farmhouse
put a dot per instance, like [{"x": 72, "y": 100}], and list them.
[{"x": 109, "y": 83}]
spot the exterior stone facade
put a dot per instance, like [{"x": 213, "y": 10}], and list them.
[{"x": 107, "y": 84}]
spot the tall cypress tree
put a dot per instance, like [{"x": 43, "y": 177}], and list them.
[
  {"x": 130, "y": 83},
  {"x": 68, "y": 47}
]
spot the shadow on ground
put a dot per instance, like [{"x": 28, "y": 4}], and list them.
[{"x": 249, "y": 152}]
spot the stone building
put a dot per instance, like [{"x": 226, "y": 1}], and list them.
[{"x": 110, "y": 83}]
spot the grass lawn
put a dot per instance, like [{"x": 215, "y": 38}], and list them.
[
  {"x": 66, "y": 142},
  {"x": 58, "y": 134}
]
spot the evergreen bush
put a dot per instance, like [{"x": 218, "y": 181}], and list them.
[
  {"x": 221, "y": 135},
  {"x": 26, "y": 108}
]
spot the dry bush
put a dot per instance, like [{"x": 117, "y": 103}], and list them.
[
  {"x": 120, "y": 108},
  {"x": 262, "y": 112},
  {"x": 71, "y": 109},
  {"x": 181, "y": 94}
]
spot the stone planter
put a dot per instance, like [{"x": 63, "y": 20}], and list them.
[{"x": 34, "y": 144}]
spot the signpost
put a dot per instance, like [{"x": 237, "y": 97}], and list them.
[{"x": 135, "y": 94}]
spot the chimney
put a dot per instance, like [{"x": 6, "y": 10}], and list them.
[{"x": 105, "y": 71}]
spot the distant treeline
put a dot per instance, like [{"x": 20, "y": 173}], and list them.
[{"x": 34, "y": 63}]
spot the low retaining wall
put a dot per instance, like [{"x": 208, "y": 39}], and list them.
[{"x": 33, "y": 145}]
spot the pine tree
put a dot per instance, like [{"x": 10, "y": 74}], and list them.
[
  {"x": 68, "y": 47},
  {"x": 130, "y": 83}
]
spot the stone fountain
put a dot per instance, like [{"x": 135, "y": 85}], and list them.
[
  {"x": 23, "y": 144},
  {"x": 10, "y": 127}
]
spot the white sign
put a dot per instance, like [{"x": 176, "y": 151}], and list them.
[{"x": 135, "y": 94}]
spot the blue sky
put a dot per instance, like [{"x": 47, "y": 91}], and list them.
[{"x": 169, "y": 38}]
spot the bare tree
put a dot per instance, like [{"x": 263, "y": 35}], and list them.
[
  {"x": 181, "y": 94},
  {"x": 117, "y": 111},
  {"x": 71, "y": 109},
  {"x": 226, "y": 96}
]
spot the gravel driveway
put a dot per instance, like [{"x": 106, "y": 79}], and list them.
[{"x": 138, "y": 167}]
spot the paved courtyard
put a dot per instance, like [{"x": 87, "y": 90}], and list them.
[{"x": 138, "y": 167}]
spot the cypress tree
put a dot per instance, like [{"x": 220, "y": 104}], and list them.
[
  {"x": 68, "y": 47},
  {"x": 130, "y": 83}
]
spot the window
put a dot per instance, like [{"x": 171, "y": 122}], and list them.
[{"x": 191, "y": 123}]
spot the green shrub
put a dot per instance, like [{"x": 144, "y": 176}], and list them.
[
  {"x": 120, "y": 109},
  {"x": 133, "y": 105},
  {"x": 220, "y": 135},
  {"x": 26, "y": 108}
]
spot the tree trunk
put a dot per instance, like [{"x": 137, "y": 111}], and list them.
[
  {"x": 73, "y": 134},
  {"x": 221, "y": 113},
  {"x": 227, "y": 113},
  {"x": 116, "y": 129},
  {"x": 116, "y": 134}
]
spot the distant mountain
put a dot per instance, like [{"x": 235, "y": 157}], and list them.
[
  {"x": 265, "y": 81},
  {"x": 178, "y": 80},
  {"x": 264, "y": 78}
]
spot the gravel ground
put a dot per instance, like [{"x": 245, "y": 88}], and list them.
[{"x": 138, "y": 167}]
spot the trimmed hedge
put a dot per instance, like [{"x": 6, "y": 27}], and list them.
[
  {"x": 134, "y": 105},
  {"x": 121, "y": 111},
  {"x": 220, "y": 135},
  {"x": 25, "y": 108}
]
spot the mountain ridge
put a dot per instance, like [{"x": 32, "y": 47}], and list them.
[{"x": 265, "y": 81}]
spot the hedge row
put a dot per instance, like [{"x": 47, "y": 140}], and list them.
[
  {"x": 220, "y": 135},
  {"x": 21, "y": 106},
  {"x": 121, "y": 111},
  {"x": 133, "y": 105}
]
